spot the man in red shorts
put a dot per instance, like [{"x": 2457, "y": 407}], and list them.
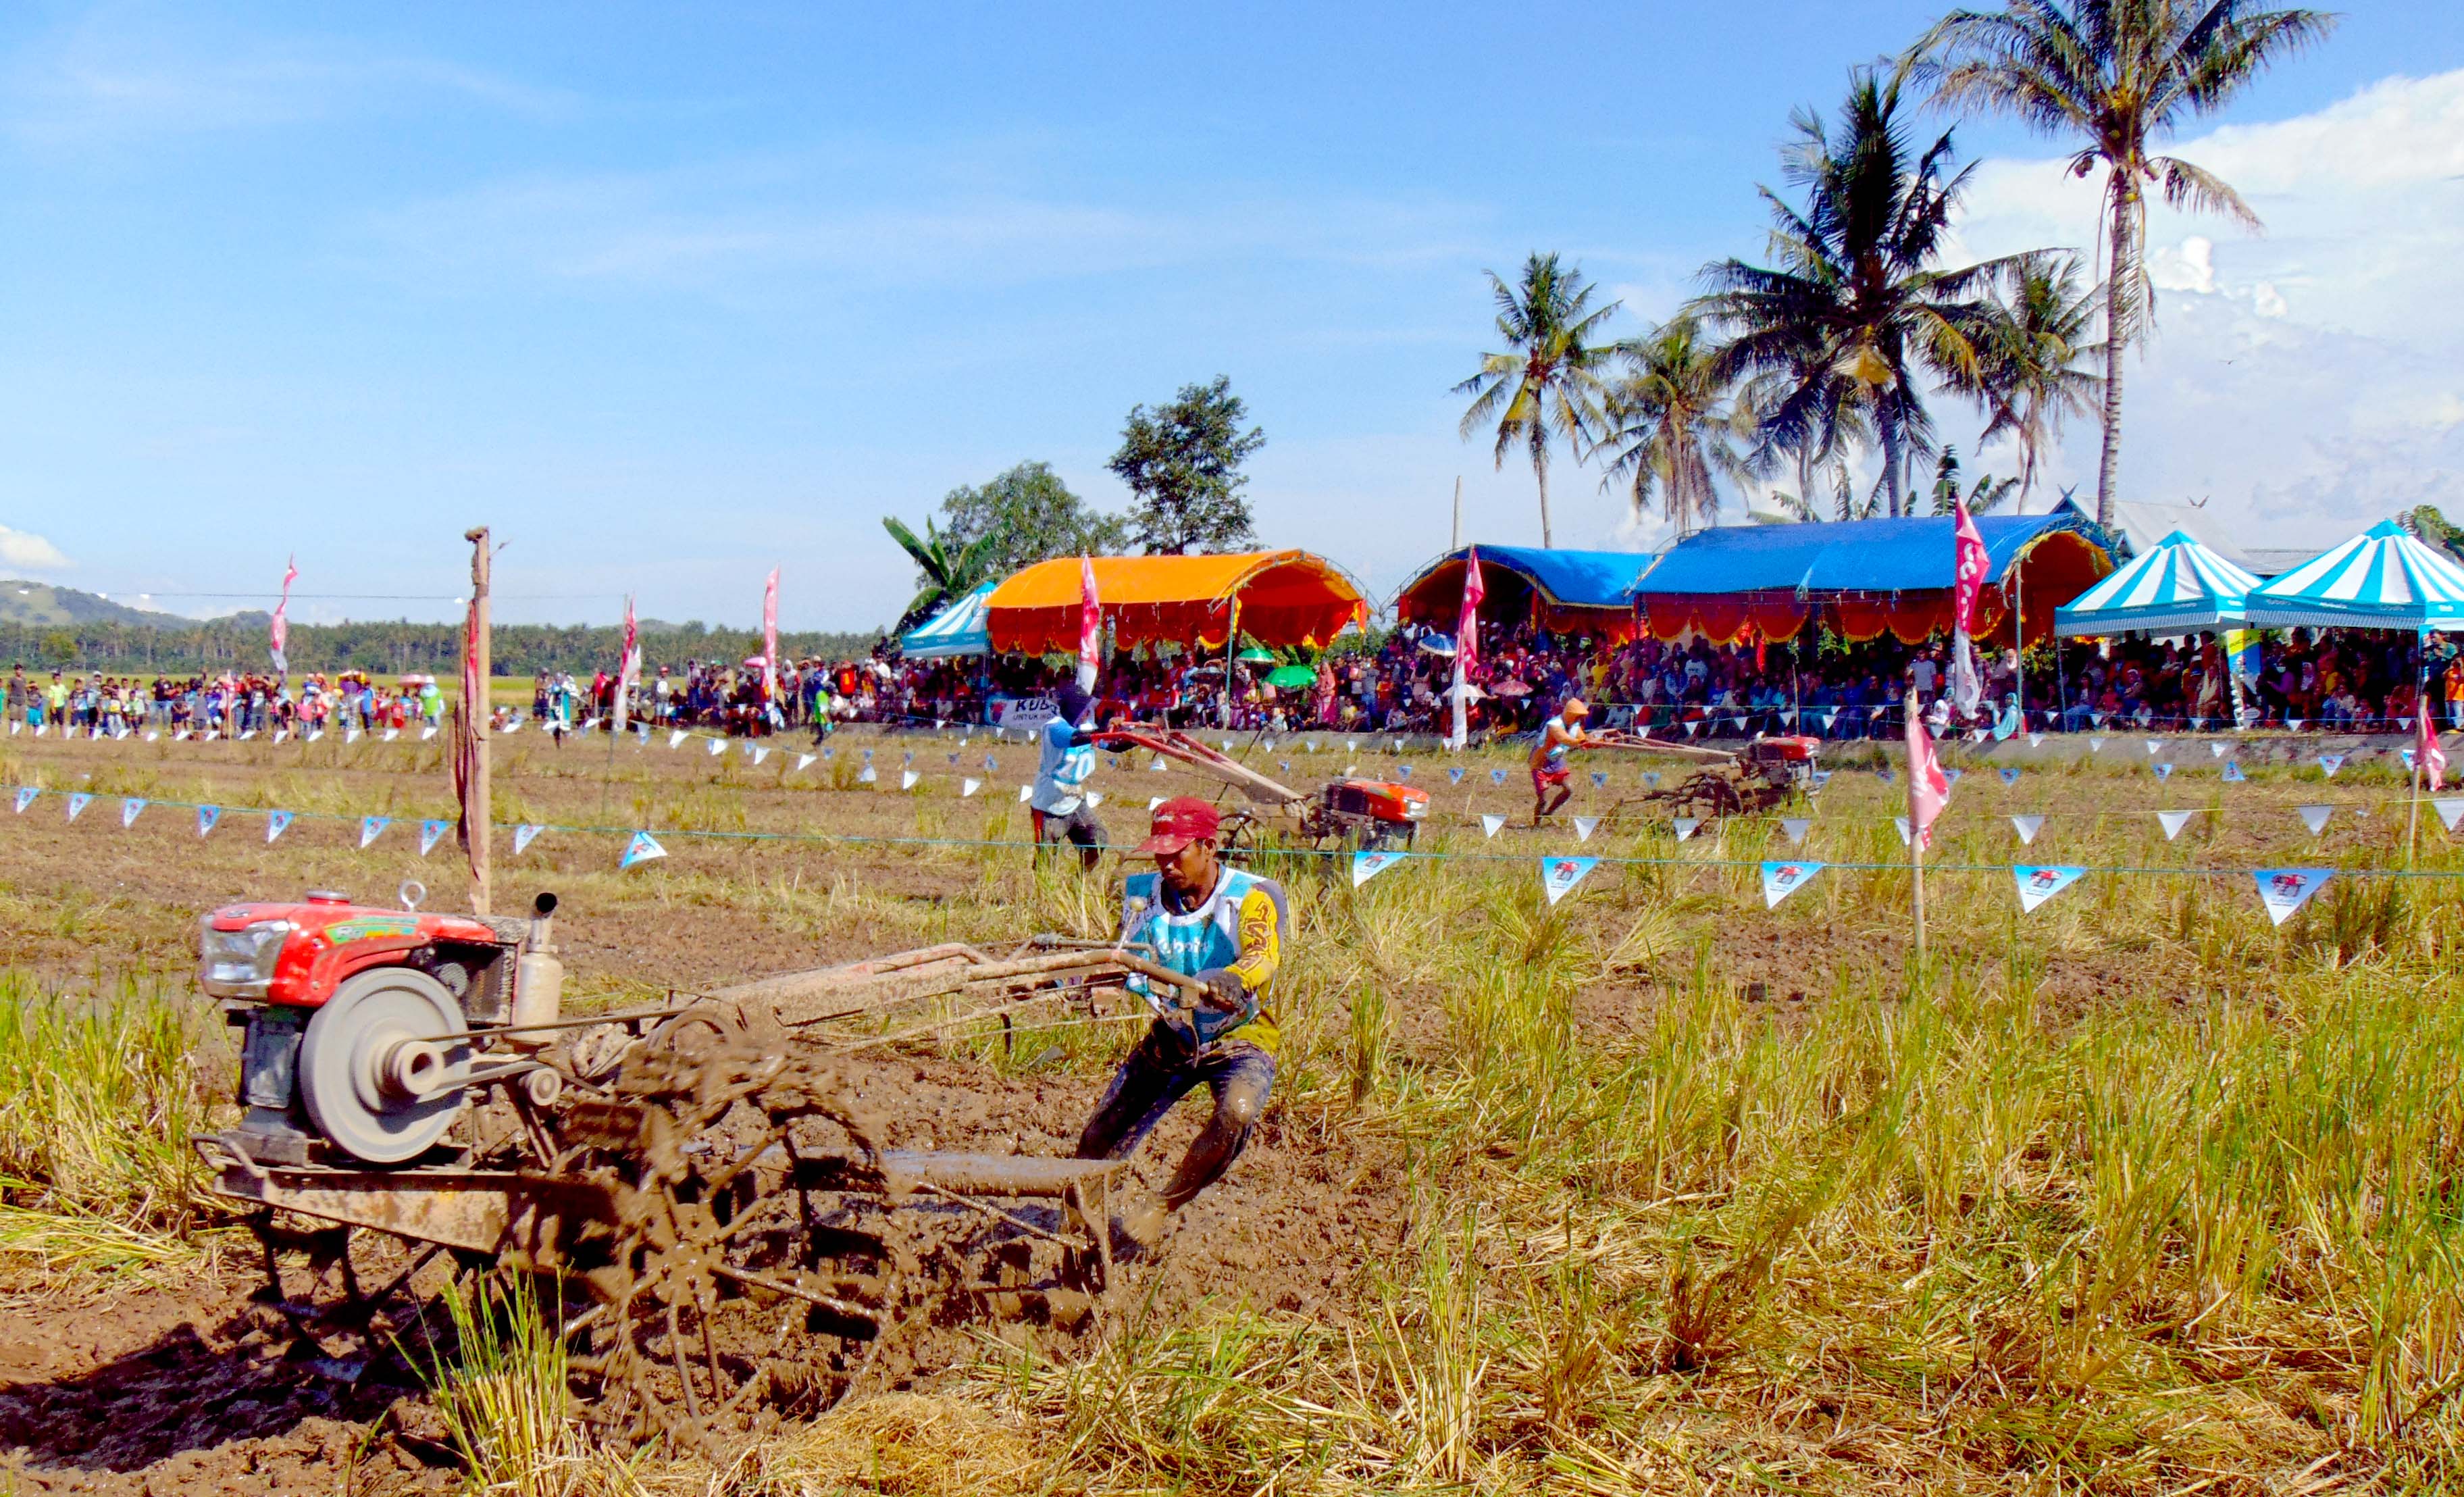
[{"x": 1549, "y": 768}]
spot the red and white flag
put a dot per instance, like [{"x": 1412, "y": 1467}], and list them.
[
  {"x": 1090, "y": 624},
  {"x": 2426, "y": 751},
  {"x": 770, "y": 637},
  {"x": 281, "y": 630},
  {"x": 1928, "y": 787},
  {"x": 628, "y": 668},
  {"x": 1968, "y": 565},
  {"x": 1467, "y": 623}
]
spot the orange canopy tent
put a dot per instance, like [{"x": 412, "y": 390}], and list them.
[{"x": 1283, "y": 598}]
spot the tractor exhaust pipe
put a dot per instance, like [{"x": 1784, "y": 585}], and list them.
[{"x": 539, "y": 980}]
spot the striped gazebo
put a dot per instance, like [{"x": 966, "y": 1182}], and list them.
[
  {"x": 2382, "y": 579},
  {"x": 2174, "y": 586}
]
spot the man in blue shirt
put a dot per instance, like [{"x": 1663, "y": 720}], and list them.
[{"x": 1060, "y": 799}]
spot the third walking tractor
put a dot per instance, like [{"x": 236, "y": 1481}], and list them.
[{"x": 1349, "y": 812}]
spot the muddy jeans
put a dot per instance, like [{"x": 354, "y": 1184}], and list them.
[{"x": 1158, "y": 1073}]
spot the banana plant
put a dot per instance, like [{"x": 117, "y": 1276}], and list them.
[{"x": 950, "y": 568}]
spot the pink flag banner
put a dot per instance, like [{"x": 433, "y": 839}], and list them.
[
  {"x": 1928, "y": 788},
  {"x": 1090, "y": 624},
  {"x": 770, "y": 637},
  {"x": 280, "y": 632}
]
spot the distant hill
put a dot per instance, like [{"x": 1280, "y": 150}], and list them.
[{"x": 24, "y": 602}]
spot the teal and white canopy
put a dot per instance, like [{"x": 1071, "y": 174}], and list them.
[
  {"x": 958, "y": 629},
  {"x": 2172, "y": 587},
  {"x": 2382, "y": 579}
]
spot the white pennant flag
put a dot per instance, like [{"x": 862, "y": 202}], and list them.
[
  {"x": 1584, "y": 826},
  {"x": 425, "y": 734},
  {"x": 642, "y": 847},
  {"x": 1156, "y": 765},
  {"x": 1491, "y": 825},
  {"x": 718, "y": 746},
  {"x": 2027, "y": 826},
  {"x": 2036, "y": 885},
  {"x": 246, "y": 733},
  {"x": 1796, "y": 826},
  {"x": 2329, "y": 763},
  {"x": 2095, "y": 744},
  {"x": 1901, "y": 822},
  {"x": 431, "y": 833},
  {"x": 523, "y": 834},
  {"x": 676, "y": 738},
  {"x": 2450, "y": 808},
  {"x": 276, "y": 822},
  {"x": 1025, "y": 793},
  {"x": 128, "y": 809},
  {"x": 2285, "y": 889},
  {"x": 866, "y": 776},
  {"x": 315, "y": 734},
  {"x": 2216, "y": 750},
  {"x": 2174, "y": 822},
  {"x": 42, "y": 728},
  {"x": 968, "y": 787},
  {"x": 1094, "y": 799},
  {"x": 1783, "y": 880},
  {"x": 2315, "y": 816},
  {"x": 1690, "y": 727},
  {"x": 79, "y": 801},
  {"x": 279, "y": 734},
  {"x": 1366, "y": 866},
  {"x": 760, "y": 753},
  {"x": 803, "y": 761},
  {"x": 1350, "y": 745},
  {"x": 2295, "y": 723},
  {"x": 1684, "y": 825},
  {"x": 349, "y": 735},
  {"x": 2035, "y": 740},
  {"x": 371, "y": 827},
  {"x": 1154, "y": 801},
  {"x": 1558, "y": 876},
  {"x": 907, "y": 779},
  {"x": 2154, "y": 746}
]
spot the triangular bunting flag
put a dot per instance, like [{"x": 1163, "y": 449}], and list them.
[
  {"x": 523, "y": 834},
  {"x": 1490, "y": 825},
  {"x": 1094, "y": 799},
  {"x": 1690, "y": 727},
  {"x": 276, "y": 822},
  {"x": 1497, "y": 777},
  {"x": 2217, "y": 749},
  {"x": 2036, "y": 885},
  {"x": 1650, "y": 777},
  {"x": 1584, "y": 826},
  {"x": 760, "y": 753},
  {"x": 1403, "y": 771},
  {"x": 2232, "y": 772},
  {"x": 968, "y": 787},
  {"x": 866, "y": 776},
  {"x": 349, "y": 735},
  {"x": 1599, "y": 778},
  {"x": 2027, "y": 826},
  {"x": 1684, "y": 825},
  {"x": 2010, "y": 777},
  {"x": 280, "y": 733},
  {"x": 2164, "y": 770},
  {"x": 1783, "y": 880},
  {"x": 2154, "y": 746},
  {"x": 2095, "y": 745},
  {"x": 676, "y": 738},
  {"x": 391, "y": 734},
  {"x": 1953, "y": 774},
  {"x": 431, "y": 833},
  {"x": 425, "y": 734},
  {"x": 79, "y": 801},
  {"x": 1821, "y": 778},
  {"x": 1156, "y": 765},
  {"x": 1454, "y": 774},
  {"x": 718, "y": 746},
  {"x": 1883, "y": 774},
  {"x": 129, "y": 807},
  {"x": 642, "y": 847},
  {"x": 1901, "y": 822},
  {"x": 1366, "y": 866},
  {"x": 991, "y": 763},
  {"x": 206, "y": 816},
  {"x": 371, "y": 827},
  {"x": 1795, "y": 826},
  {"x": 2174, "y": 822},
  {"x": 2315, "y": 816},
  {"x": 26, "y": 797},
  {"x": 908, "y": 778},
  {"x": 2285, "y": 889},
  {"x": 803, "y": 761},
  {"x": 1558, "y": 876},
  {"x": 1154, "y": 801},
  {"x": 2447, "y": 806},
  {"x": 1025, "y": 793},
  {"x": 2329, "y": 763},
  {"x": 2035, "y": 740},
  {"x": 2295, "y": 723}
]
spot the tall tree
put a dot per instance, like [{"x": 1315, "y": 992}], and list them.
[
  {"x": 1026, "y": 516},
  {"x": 1182, "y": 462},
  {"x": 1989, "y": 494},
  {"x": 1856, "y": 313},
  {"x": 2040, "y": 360},
  {"x": 1549, "y": 383},
  {"x": 1672, "y": 426},
  {"x": 2117, "y": 77},
  {"x": 945, "y": 569}
]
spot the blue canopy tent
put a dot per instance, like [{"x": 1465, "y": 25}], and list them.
[
  {"x": 958, "y": 629},
  {"x": 2382, "y": 579},
  {"x": 1866, "y": 576},
  {"x": 2176, "y": 586},
  {"x": 1573, "y": 592}
]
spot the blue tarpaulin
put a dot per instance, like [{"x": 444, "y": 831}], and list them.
[
  {"x": 1865, "y": 555},
  {"x": 1566, "y": 578},
  {"x": 957, "y": 630}
]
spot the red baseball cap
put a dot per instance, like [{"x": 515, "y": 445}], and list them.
[{"x": 1177, "y": 822}]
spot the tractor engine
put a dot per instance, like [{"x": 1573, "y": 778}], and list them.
[{"x": 365, "y": 1027}]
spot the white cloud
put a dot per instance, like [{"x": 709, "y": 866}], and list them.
[
  {"x": 2306, "y": 377},
  {"x": 29, "y": 552}
]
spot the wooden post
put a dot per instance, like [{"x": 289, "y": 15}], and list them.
[
  {"x": 477, "y": 812},
  {"x": 2429, "y": 735},
  {"x": 1457, "y": 544},
  {"x": 1916, "y": 862}
]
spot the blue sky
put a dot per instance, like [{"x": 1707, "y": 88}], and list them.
[{"x": 669, "y": 294}]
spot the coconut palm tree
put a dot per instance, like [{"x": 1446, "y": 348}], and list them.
[
  {"x": 2040, "y": 361},
  {"x": 945, "y": 571},
  {"x": 2117, "y": 77},
  {"x": 1672, "y": 425},
  {"x": 1548, "y": 385},
  {"x": 1989, "y": 494},
  {"x": 1855, "y": 313}
]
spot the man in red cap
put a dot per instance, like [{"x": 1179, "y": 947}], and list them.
[
  {"x": 1550, "y": 770},
  {"x": 1226, "y": 927}
]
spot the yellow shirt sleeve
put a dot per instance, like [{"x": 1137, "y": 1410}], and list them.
[{"x": 1261, "y": 950}]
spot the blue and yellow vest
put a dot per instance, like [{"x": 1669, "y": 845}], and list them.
[{"x": 1242, "y": 927}]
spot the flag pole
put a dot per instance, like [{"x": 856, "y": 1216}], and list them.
[
  {"x": 477, "y": 809},
  {"x": 2421, "y": 743},
  {"x": 1916, "y": 843}
]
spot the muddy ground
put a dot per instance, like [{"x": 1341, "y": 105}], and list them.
[{"x": 186, "y": 1387}]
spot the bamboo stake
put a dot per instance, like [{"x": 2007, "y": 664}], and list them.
[{"x": 479, "y": 811}]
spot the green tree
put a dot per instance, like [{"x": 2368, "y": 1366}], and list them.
[
  {"x": 1855, "y": 314},
  {"x": 1672, "y": 426},
  {"x": 2039, "y": 364},
  {"x": 1990, "y": 493},
  {"x": 2117, "y": 77},
  {"x": 1550, "y": 383},
  {"x": 1182, "y": 462},
  {"x": 1026, "y": 516},
  {"x": 944, "y": 568}
]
